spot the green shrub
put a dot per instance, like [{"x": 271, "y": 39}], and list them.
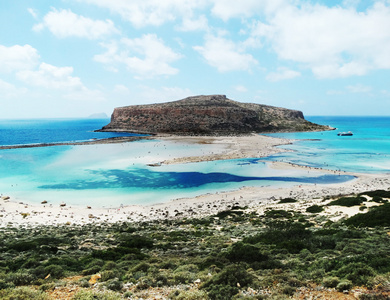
[
  {"x": 109, "y": 265},
  {"x": 142, "y": 266},
  {"x": 184, "y": 277},
  {"x": 245, "y": 252},
  {"x": 5, "y": 285},
  {"x": 188, "y": 295},
  {"x": 377, "y": 193},
  {"x": 185, "y": 273},
  {"x": 344, "y": 285},
  {"x": 83, "y": 282},
  {"x": 314, "y": 209},
  {"x": 292, "y": 236},
  {"x": 145, "y": 283},
  {"x": 221, "y": 292},
  {"x": 135, "y": 241},
  {"x": 376, "y": 216},
  {"x": 287, "y": 200},
  {"x": 47, "y": 286},
  {"x": 356, "y": 272},
  {"x": 20, "y": 278},
  {"x": 287, "y": 290},
  {"x": 55, "y": 271},
  {"x": 114, "y": 284},
  {"x": 348, "y": 201},
  {"x": 277, "y": 214},
  {"x": 91, "y": 271},
  {"x": 224, "y": 284},
  {"x": 106, "y": 275},
  {"x": 93, "y": 295},
  {"x": 330, "y": 282},
  {"x": 229, "y": 213},
  {"x": 22, "y": 293},
  {"x": 373, "y": 296}
]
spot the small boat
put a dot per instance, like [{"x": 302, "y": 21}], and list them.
[{"x": 349, "y": 133}]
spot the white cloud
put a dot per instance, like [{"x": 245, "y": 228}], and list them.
[
  {"x": 156, "y": 95},
  {"x": 121, "y": 89},
  {"x": 8, "y": 90},
  {"x": 190, "y": 24},
  {"x": 225, "y": 55},
  {"x": 241, "y": 88},
  {"x": 151, "y": 12},
  {"x": 331, "y": 41},
  {"x": 64, "y": 23},
  {"x": 359, "y": 88},
  {"x": 146, "y": 56},
  {"x": 18, "y": 57},
  {"x": 84, "y": 95},
  {"x": 282, "y": 74},
  {"x": 227, "y": 9},
  {"x": 33, "y": 12},
  {"x": 51, "y": 77}
]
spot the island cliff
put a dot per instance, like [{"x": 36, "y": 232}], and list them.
[{"x": 207, "y": 115}]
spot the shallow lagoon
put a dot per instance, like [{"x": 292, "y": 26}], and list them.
[
  {"x": 114, "y": 174},
  {"x": 367, "y": 151}
]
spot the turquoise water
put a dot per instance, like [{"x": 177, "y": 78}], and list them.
[
  {"x": 367, "y": 151},
  {"x": 20, "y": 132},
  {"x": 115, "y": 174}
]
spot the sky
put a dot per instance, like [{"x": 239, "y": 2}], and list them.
[{"x": 74, "y": 58}]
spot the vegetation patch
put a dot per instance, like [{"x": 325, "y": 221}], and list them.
[
  {"x": 315, "y": 209},
  {"x": 348, "y": 201},
  {"x": 376, "y": 216},
  {"x": 287, "y": 200},
  {"x": 235, "y": 254}
]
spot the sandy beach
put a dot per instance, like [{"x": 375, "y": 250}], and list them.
[{"x": 18, "y": 213}]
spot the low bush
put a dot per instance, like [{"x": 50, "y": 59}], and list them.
[
  {"x": 314, "y": 209},
  {"x": 373, "y": 296},
  {"x": 330, "y": 282},
  {"x": 348, "y": 201},
  {"x": 188, "y": 295},
  {"x": 20, "y": 278},
  {"x": 287, "y": 200},
  {"x": 357, "y": 272},
  {"x": 114, "y": 284},
  {"x": 376, "y": 216},
  {"x": 245, "y": 252},
  {"x": 277, "y": 214},
  {"x": 95, "y": 295},
  {"x": 109, "y": 274},
  {"x": 344, "y": 285},
  {"x": 22, "y": 293},
  {"x": 377, "y": 193}
]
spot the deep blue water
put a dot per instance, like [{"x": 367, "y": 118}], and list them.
[
  {"x": 20, "y": 132},
  {"x": 368, "y": 150},
  {"x": 149, "y": 179}
]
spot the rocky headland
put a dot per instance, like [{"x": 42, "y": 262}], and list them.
[{"x": 208, "y": 115}]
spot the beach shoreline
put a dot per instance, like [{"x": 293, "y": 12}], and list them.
[{"x": 232, "y": 147}]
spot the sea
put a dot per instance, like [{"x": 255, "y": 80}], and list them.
[{"x": 110, "y": 175}]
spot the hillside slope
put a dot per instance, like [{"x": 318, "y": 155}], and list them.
[{"x": 212, "y": 114}]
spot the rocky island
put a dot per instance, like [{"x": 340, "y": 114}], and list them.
[{"x": 208, "y": 115}]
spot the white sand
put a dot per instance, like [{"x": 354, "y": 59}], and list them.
[{"x": 257, "y": 198}]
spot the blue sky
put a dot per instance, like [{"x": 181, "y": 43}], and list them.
[{"x": 74, "y": 58}]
